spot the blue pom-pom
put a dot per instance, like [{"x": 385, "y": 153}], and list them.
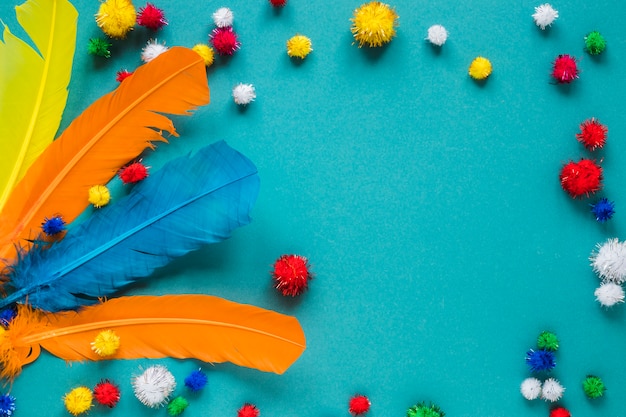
[
  {"x": 53, "y": 226},
  {"x": 7, "y": 315},
  {"x": 603, "y": 210},
  {"x": 7, "y": 405},
  {"x": 196, "y": 380},
  {"x": 540, "y": 360}
]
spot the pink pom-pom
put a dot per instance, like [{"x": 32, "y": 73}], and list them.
[
  {"x": 151, "y": 17},
  {"x": 359, "y": 404},
  {"x": 565, "y": 69},
  {"x": 224, "y": 40}
]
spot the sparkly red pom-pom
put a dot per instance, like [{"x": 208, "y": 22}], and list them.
[
  {"x": 565, "y": 69},
  {"x": 224, "y": 40},
  {"x": 151, "y": 17},
  {"x": 592, "y": 134},
  {"x": 248, "y": 410},
  {"x": 106, "y": 393},
  {"x": 134, "y": 172},
  {"x": 122, "y": 75},
  {"x": 359, "y": 404},
  {"x": 559, "y": 412},
  {"x": 291, "y": 274},
  {"x": 278, "y": 3},
  {"x": 581, "y": 178}
]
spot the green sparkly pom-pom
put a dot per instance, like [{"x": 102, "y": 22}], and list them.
[
  {"x": 595, "y": 43},
  {"x": 548, "y": 341},
  {"x": 177, "y": 406},
  {"x": 422, "y": 410},
  {"x": 593, "y": 387},
  {"x": 99, "y": 47}
]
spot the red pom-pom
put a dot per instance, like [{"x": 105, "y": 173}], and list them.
[
  {"x": 151, "y": 17},
  {"x": 581, "y": 178},
  {"x": 122, "y": 75},
  {"x": 248, "y": 410},
  {"x": 224, "y": 40},
  {"x": 106, "y": 393},
  {"x": 359, "y": 404},
  {"x": 559, "y": 412},
  {"x": 278, "y": 3},
  {"x": 134, "y": 172},
  {"x": 291, "y": 274},
  {"x": 592, "y": 134},
  {"x": 565, "y": 69}
]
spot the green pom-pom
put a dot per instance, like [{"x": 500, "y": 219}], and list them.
[
  {"x": 548, "y": 341},
  {"x": 177, "y": 406},
  {"x": 593, "y": 387},
  {"x": 595, "y": 43},
  {"x": 99, "y": 47},
  {"x": 423, "y": 410}
]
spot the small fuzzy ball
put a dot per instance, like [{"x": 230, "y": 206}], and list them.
[
  {"x": 224, "y": 40},
  {"x": 206, "y": 53},
  {"x": 545, "y": 15},
  {"x": 116, "y": 18},
  {"x": 154, "y": 386},
  {"x": 581, "y": 178},
  {"x": 603, "y": 210},
  {"x": 548, "y": 341},
  {"x": 99, "y": 47},
  {"x": 278, "y": 3},
  {"x": 609, "y": 261},
  {"x": 122, "y": 75},
  {"x": 359, "y": 404},
  {"x": 423, "y": 410},
  {"x": 78, "y": 400},
  {"x": 152, "y": 49},
  {"x": 540, "y": 360},
  {"x": 437, "y": 35},
  {"x": 593, "y": 387},
  {"x": 133, "y": 173},
  {"x": 595, "y": 43},
  {"x": 248, "y": 410},
  {"x": 609, "y": 294},
  {"x": 7, "y": 405},
  {"x": 223, "y": 17},
  {"x": 106, "y": 343},
  {"x": 552, "y": 390},
  {"x": 559, "y": 412},
  {"x": 531, "y": 388},
  {"x": 7, "y": 315},
  {"x": 177, "y": 406},
  {"x": 196, "y": 380},
  {"x": 565, "y": 69},
  {"x": 592, "y": 134},
  {"x": 53, "y": 226},
  {"x": 151, "y": 17},
  {"x": 480, "y": 68},
  {"x": 374, "y": 24},
  {"x": 299, "y": 46},
  {"x": 244, "y": 93},
  {"x": 99, "y": 196},
  {"x": 106, "y": 393},
  {"x": 291, "y": 274}
]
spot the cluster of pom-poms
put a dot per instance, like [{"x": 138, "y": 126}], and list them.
[
  {"x": 291, "y": 274},
  {"x": 118, "y": 17},
  {"x": 80, "y": 399},
  {"x": 608, "y": 261},
  {"x": 542, "y": 360}
]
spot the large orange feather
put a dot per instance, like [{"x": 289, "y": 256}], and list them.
[
  {"x": 111, "y": 132},
  {"x": 203, "y": 327}
]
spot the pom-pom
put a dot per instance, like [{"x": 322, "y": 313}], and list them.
[
  {"x": 423, "y": 410},
  {"x": 99, "y": 47},
  {"x": 548, "y": 341},
  {"x": 291, "y": 274},
  {"x": 609, "y": 294},
  {"x": 177, "y": 406},
  {"x": 116, "y": 18},
  {"x": 223, "y": 17},
  {"x": 134, "y": 172},
  {"x": 244, "y": 93},
  {"x": 196, "y": 380},
  {"x": 437, "y": 35},
  {"x": 299, "y": 46},
  {"x": 206, "y": 53},
  {"x": 540, "y": 360},
  {"x": 106, "y": 393},
  {"x": 565, "y": 69},
  {"x": 595, "y": 43},
  {"x": 374, "y": 24},
  {"x": 552, "y": 390},
  {"x": 53, "y": 226},
  {"x": 609, "y": 260},
  {"x": 7, "y": 405},
  {"x": 593, "y": 387},
  {"x": 278, "y": 3},
  {"x": 531, "y": 388},
  {"x": 106, "y": 343},
  {"x": 248, "y": 410},
  {"x": 480, "y": 68},
  {"x": 151, "y": 17},
  {"x": 154, "y": 386},
  {"x": 99, "y": 196},
  {"x": 122, "y": 75},
  {"x": 7, "y": 315},
  {"x": 359, "y": 404},
  {"x": 581, "y": 178},
  {"x": 545, "y": 15},
  {"x": 592, "y": 134},
  {"x": 152, "y": 49},
  {"x": 78, "y": 400},
  {"x": 224, "y": 40},
  {"x": 603, "y": 210},
  {"x": 559, "y": 412}
]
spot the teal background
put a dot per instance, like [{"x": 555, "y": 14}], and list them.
[{"x": 428, "y": 205}]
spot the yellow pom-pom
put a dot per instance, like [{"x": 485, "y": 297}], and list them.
[
  {"x": 116, "y": 18},
  {"x": 206, "y": 52},
  {"x": 78, "y": 400},
  {"x": 106, "y": 343},
  {"x": 480, "y": 68},
  {"x": 299, "y": 46},
  {"x": 99, "y": 196},
  {"x": 374, "y": 24}
]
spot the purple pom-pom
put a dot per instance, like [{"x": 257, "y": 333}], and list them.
[
  {"x": 54, "y": 225},
  {"x": 7, "y": 405},
  {"x": 540, "y": 360},
  {"x": 7, "y": 315},
  {"x": 603, "y": 210},
  {"x": 196, "y": 380}
]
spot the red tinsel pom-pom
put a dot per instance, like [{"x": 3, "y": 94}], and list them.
[
  {"x": 565, "y": 69},
  {"x": 122, "y": 75},
  {"x": 592, "y": 134},
  {"x": 134, "y": 172},
  {"x": 359, "y": 404},
  {"x": 151, "y": 17},
  {"x": 291, "y": 274},
  {"x": 106, "y": 393},
  {"x": 278, "y": 3},
  {"x": 248, "y": 410},
  {"x": 581, "y": 178},
  {"x": 224, "y": 40},
  {"x": 559, "y": 412}
]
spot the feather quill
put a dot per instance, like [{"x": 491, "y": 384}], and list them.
[
  {"x": 203, "y": 327},
  {"x": 33, "y": 85},
  {"x": 191, "y": 201},
  {"x": 112, "y": 131}
]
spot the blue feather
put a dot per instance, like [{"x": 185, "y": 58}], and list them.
[{"x": 191, "y": 201}]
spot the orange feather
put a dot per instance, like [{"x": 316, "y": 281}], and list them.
[
  {"x": 111, "y": 132},
  {"x": 203, "y": 327}
]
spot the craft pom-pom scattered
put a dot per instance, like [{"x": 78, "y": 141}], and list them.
[
  {"x": 106, "y": 343},
  {"x": 581, "y": 178},
  {"x": 423, "y": 410},
  {"x": 99, "y": 196},
  {"x": 133, "y": 173},
  {"x": 358, "y": 405},
  {"x": 151, "y": 17},
  {"x": 223, "y": 17},
  {"x": 595, "y": 43},
  {"x": 552, "y": 390},
  {"x": 196, "y": 380},
  {"x": 177, "y": 406},
  {"x": 540, "y": 360},
  {"x": 291, "y": 274},
  {"x": 559, "y": 412},
  {"x": 53, "y": 226},
  {"x": 248, "y": 410},
  {"x": 593, "y": 387},
  {"x": 609, "y": 293},
  {"x": 7, "y": 405},
  {"x": 116, "y": 18},
  {"x": 299, "y": 46},
  {"x": 603, "y": 210},
  {"x": 592, "y": 134},
  {"x": 545, "y": 15},
  {"x": 531, "y": 388},
  {"x": 152, "y": 49},
  {"x": 106, "y": 393},
  {"x": 565, "y": 69},
  {"x": 122, "y": 75},
  {"x": 278, "y": 3},
  {"x": 480, "y": 68},
  {"x": 244, "y": 93},
  {"x": 437, "y": 35},
  {"x": 609, "y": 261},
  {"x": 78, "y": 400},
  {"x": 374, "y": 24},
  {"x": 154, "y": 386},
  {"x": 99, "y": 47},
  {"x": 225, "y": 40},
  {"x": 206, "y": 53},
  {"x": 548, "y": 341}
]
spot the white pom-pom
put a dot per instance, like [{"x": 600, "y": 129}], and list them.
[
  {"x": 154, "y": 386},
  {"x": 244, "y": 93},
  {"x": 223, "y": 17},
  {"x": 531, "y": 388},
  {"x": 152, "y": 49},
  {"x": 609, "y": 261},
  {"x": 544, "y": 15},
  {"x": 437, "y": 35},
  {"x": 609, "y": 294},
  {"x": 552, "y": 390}
]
